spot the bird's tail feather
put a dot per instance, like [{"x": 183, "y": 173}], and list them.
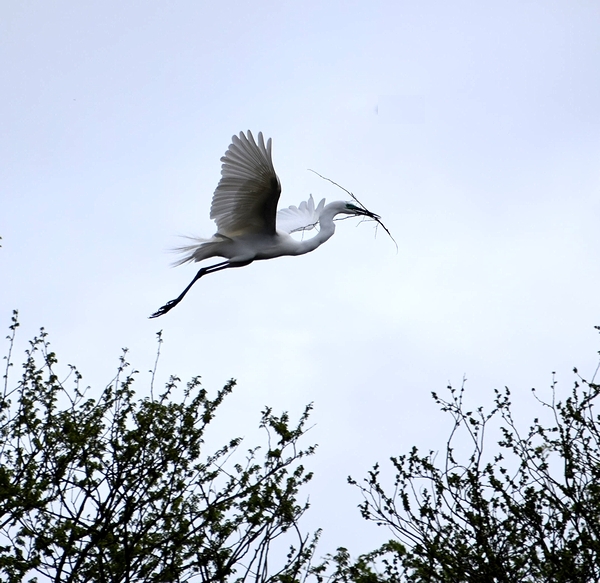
[{"x": 199, "y": 250}]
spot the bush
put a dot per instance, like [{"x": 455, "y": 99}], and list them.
[
  {"x": 527, "y": 511},
  {"x": 118, "y": 489},
  {"x": 122, "y": 489}
]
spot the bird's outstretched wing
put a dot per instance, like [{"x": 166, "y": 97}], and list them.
[
  {"x": 300, "y": 218},
  {"x": 245, "y": 200}
]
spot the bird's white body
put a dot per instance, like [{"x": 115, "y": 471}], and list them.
[
  {"x": 256, "y": 246},
  {"x": 244, "y": 206}
]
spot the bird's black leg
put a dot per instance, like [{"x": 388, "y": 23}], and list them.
[{"x": 170, "y": 305}]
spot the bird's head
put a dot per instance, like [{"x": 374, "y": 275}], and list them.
[
  {"x": 352, "y": 209},
  {"x": 342, "y": 207}
]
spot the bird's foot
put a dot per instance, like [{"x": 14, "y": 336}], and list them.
[{"x": 162, "y": 311}]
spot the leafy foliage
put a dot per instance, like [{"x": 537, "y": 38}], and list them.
[
  {"x": 530, "y": 512},
  {"x": 121, "y": 489},
  {"x": 118, "y": 489}
]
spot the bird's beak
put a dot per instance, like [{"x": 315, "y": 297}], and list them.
[{"x": 369, "y": 214}]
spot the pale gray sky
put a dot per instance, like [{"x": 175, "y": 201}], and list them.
[{"x": 472, "y": 128}]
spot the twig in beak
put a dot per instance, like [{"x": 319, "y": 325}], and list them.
[{"x": 371, "y": 215}]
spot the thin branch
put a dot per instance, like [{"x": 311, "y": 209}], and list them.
[{"x": 375, "y": 217}]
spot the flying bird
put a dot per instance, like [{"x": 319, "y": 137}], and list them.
[{"x": 249, "y": 227}]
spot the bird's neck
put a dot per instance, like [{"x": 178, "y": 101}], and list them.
[{"x": 326, "y": 231}]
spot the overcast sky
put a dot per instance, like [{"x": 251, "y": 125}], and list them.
[{"x": 472, "y": 128}]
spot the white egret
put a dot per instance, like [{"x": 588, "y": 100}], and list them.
[{"x": 249, "y": 228}]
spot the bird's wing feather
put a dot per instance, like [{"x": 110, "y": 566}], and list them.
[
  {"x": 245, "y": 200},
  {"x": 301, "y": 218}
]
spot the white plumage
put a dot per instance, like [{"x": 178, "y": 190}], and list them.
[
  {"x": 244, "y": 206},
  {"x": 301, "y": 218}
]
